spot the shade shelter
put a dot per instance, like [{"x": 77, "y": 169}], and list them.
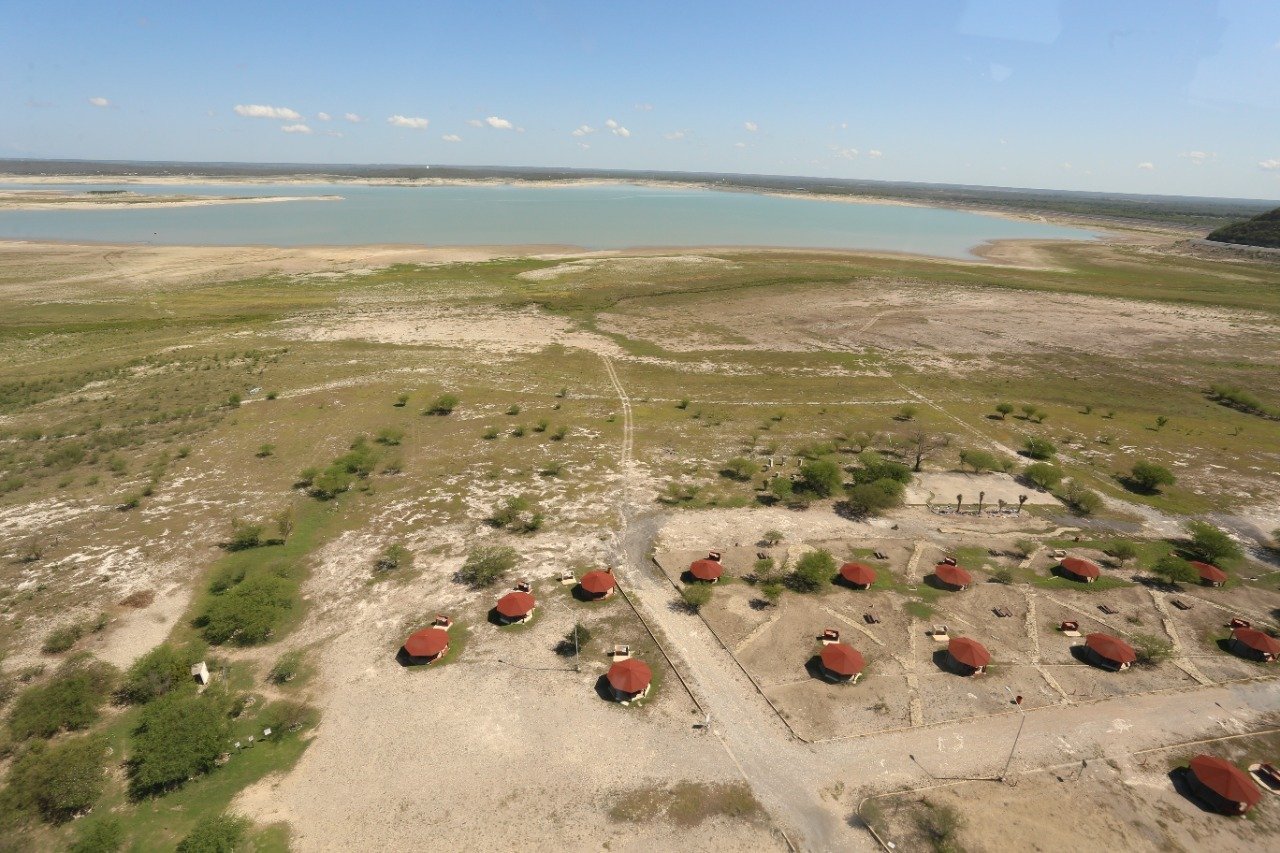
[
  {"x": 1254, "y": 644},
  {"x": 706, "y": 569},
  {"x": 1223, "y": 785},
  {"x": 951, "y": 576},
  {"x": 629, "y": 679},
  {"x": 515, "y": 606},
  {"x": 858, "y": 575},
  {"x": 1110, "y": 652},
  {"x": 1210, "y": 575},
  {"x": 427, "y": 645},
  {"x": 968, "y": 656},
  {"x": 841, "y": 662},
  {"x": 1080, "y": 569},
  {"x": 598, "y": 584}
]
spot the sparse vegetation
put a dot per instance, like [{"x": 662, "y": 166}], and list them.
[
  {"x": 517, "y": 514},
  {"x": 696, "y": 595},
  {"x": 69, "y": 701},
  {"x": 395, "y": 556},
  {"x": 1149, "y": 477},
  {"x": 813, "y": 571},
  {"x": 1038, "y": 448},
  {"x": 487, "y": 564},
  {"x": 442, "y": 405},
  {"x": 1211, "y": 545}
]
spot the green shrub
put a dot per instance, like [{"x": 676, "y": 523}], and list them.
[
  {"x": 821, "y": 478},
  {"x": 248, "y": 612},
  {"x": 1122, "y": 550},
  {"x": 1039, "y": 448},
  {"x": 442, "y": 405},
  {"x": 872, "y": 467},
  {"x": 813, "y": 571},
  {"x": 69, "y": 701},
  {"x": 99, "y": 835},
  {"x": 160, "y": 671},
  {"x": 60, "y": 639},
  {"x": 390, "y": 436},
  {"x": 696, "y": 596},
  {"x": 1081, "y": 500},
  {"x": 61, "y": 780},
  {"x": 265, "y": 450},
  {"x": 980, "y": 460},
  {"x": 486, "y": 564},
  {"x": 573, "y": 641},
  {"x": 740, "y": 468},
  {"x": 1043, "y": 475},
  {"x": 401, "y": 401},
  {"x": 1004, "y": 410},
  {"x": 1175, "y": 570},
  {"x": 781, "y": 489},
  {"x": 1151, "y": 650},
  {"x": 1003, "y": 575},
  {"x": 178, "y": 736},
  {"x": 244, "y": 536},
  {"x": 286, "y": 667},
  {"x": 330, "y": 483},
  {"x": 772, "y": 591},
  {"x": 1210, "y": 544},
  {"x": 395, "y": 557},
  {"x": 517, "y": 514},
  {"x": 1149, "y": 477},
  {"x": 874, "y": 498},
  {"x": 220, "y": 834}
]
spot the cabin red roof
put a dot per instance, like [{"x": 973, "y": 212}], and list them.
[
  {"x": 427, "y": 643},
  {"x": 1225, "y": 779},
  {"x": 1209, "y": 572},
  {"x": 969, "y": 652},
  {"x": 515, "y": 604},
  {"x": 1081, "y": 568},
  {"x": 1257, "y": 640},
  {"x": 598, "y": 583},
  {"x": 953, "y": 575},
  {"x": 629, "y": 676},
  {"x": 858, "y": 573},
  {"x": 706, "y": 570},
  {"x": 1111, "y": 648},
  {"x": 842, "y": 659}
]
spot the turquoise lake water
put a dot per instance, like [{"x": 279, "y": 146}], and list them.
[{"x": 593, "y": 217}]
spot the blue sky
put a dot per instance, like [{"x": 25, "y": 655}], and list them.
[{"x": 1166, "y": 96}]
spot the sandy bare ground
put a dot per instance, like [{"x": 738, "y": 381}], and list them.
[
  {"x": 941, "y": 487},
  {"x": 911, "y": 318}
]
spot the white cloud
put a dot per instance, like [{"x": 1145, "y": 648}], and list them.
[
  {"x": 584, "y": 145},
  {"x": 1198, "y": 158},
  {"x": 621, "y": 131},
  {"x": 675, "y": 134},
  {"x": 1147, "y": 167},
  {"x": 1270, "y": 165},
  {"x": 739, "y": 145},
  {"x": 334, "y": 133},
  {"x": 582, "y": 130},
  {"x": 751, "y": 126},
  {"x": 409, "y": 121},
  {"x": 644, "y": 108},
  {"x": 499, "y": 123},
  {"x": 100, "y": 102},
  {"x": 1067, "y": 166},
  {"x": 875, "y": 153},
  {"x": 353, "y": 118},
  {"x": 264, "y": 111},
  {"x": 451, "y": 137},
  {"x": 296, "y": 128},
  {"x": 475, "y": 122},
  {"x": 611, "y": 124},
  {"x": 323, "y": 116},
  {"x": 844, "y": 153}
]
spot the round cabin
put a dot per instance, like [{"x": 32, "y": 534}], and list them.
[
  {"x": 1210, "y": 575},
  {"x": 1085, "y": 571},
  {"x": 515, "y": 606},
  {"x": 629, "y": 679},
  {"x": 427, "y": 645},
  {"x": 1255, "y": 645},
  {"x": 598, "y": 585},
  {"x": 952, "y": 577},
  {"x": 968, "y": 657},
  {"x": 1110, "y": 652},
  {"x": 1222, "y": 785},
  {"x": 858, "y": 575},
  {"x": 840, "y": 662},
  {"x": 706, "y": 570}
]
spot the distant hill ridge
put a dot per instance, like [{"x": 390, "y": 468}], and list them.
[{"x": 1262, "y": 230}]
